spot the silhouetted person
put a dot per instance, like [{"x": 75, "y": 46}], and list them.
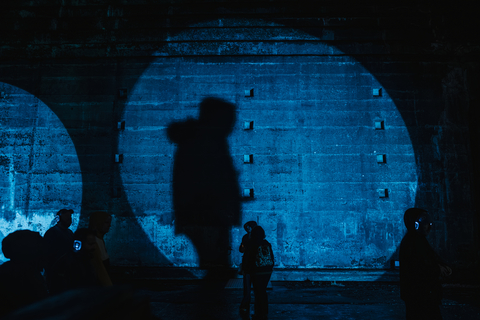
[
  {"x": 259, "y": 261},
  {"x": 87, "y": 267},
  {"x": 59, "y": 239},
  {"x": 247, "y": 284},
  {"x": 100, "y": 223},
  {"x": 206, "y": 196},
  {"x": 21, "y": 281},
  {"x": 420, "y": 269}
]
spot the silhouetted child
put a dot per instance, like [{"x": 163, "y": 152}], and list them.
[
  {"x": 59, "y": 239},
  {"x": 21, "y": 281},
  {"x": 420, "y": 269},
  {"x": 259, "y": 261},
  {"x": 247, "y": 284}
]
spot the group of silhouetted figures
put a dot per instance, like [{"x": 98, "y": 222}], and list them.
[
  {"x": 420, "y": 269},
  {"x": 60, "y": 261},
  {"x": 80, "y": 260}
]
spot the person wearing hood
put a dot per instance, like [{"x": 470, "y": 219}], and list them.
[
  {"x": 420, "y": 269},
  {"x": 247, "y": 284},
  {"x": 205, "y": 190}
]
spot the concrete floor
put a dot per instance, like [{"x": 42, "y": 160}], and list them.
[{"x": 200, "y": 299}]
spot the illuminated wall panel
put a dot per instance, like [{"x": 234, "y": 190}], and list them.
[
  {"x": 315, "y": 175},
  {"x": 39, "y": 169}
]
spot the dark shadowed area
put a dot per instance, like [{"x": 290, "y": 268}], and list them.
[
  {"x": 338, "y": 115},
  {"x": 206, "y": 195}
]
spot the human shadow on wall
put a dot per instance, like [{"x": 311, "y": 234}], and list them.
[{"x": 206, "y": 195}]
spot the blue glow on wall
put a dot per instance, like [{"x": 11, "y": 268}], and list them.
[
  {"x": 39, "y": 168},
  {"x": 315, "y": 143}
]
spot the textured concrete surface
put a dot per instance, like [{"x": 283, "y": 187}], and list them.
[
  {"x": 314, "y": 170},
  {"x": 314, "y": 146},
  {"x": 300, "y": 300}
]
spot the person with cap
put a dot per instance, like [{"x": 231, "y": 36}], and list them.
[
  {"x": 21, "y": 281},
  {"x": 247, "y": 284},
  {"x": 420, "y": 269},
  {"x": 59, "y": 239}
]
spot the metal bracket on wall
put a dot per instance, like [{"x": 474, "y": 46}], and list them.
[
  {"x": 121, "y": 125},
  {"x": 379, "y": 125},
  {"x": 383, "y": 193},
  {"x": 248, "y": 193},
  {"x": 118, "y": 158},
  {"x": 248, "y": 158},
  {"x": 381, "y": 158},
  {"x": 249, "y": 93},
  {"x": 247, "y": 125}
]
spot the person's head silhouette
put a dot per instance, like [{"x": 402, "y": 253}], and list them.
[
  {"x": 417, "y": 220},
  {"x": 25, "y": 246}
]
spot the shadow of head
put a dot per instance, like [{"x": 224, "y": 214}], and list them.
[
  {"x": 217, "y": 114},
  {"x": 215, "y": 121}
]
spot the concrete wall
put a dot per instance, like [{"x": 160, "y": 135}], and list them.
[
  {"x": 314, "y": 173},
  {"x": 314, "y": 145},
  {"x": 39, "y": 165}
]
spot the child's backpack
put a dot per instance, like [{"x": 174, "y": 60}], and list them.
[{"x": 264, "y": 255}]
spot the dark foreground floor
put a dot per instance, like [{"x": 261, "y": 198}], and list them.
[{"x": 197, "y": 299}]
